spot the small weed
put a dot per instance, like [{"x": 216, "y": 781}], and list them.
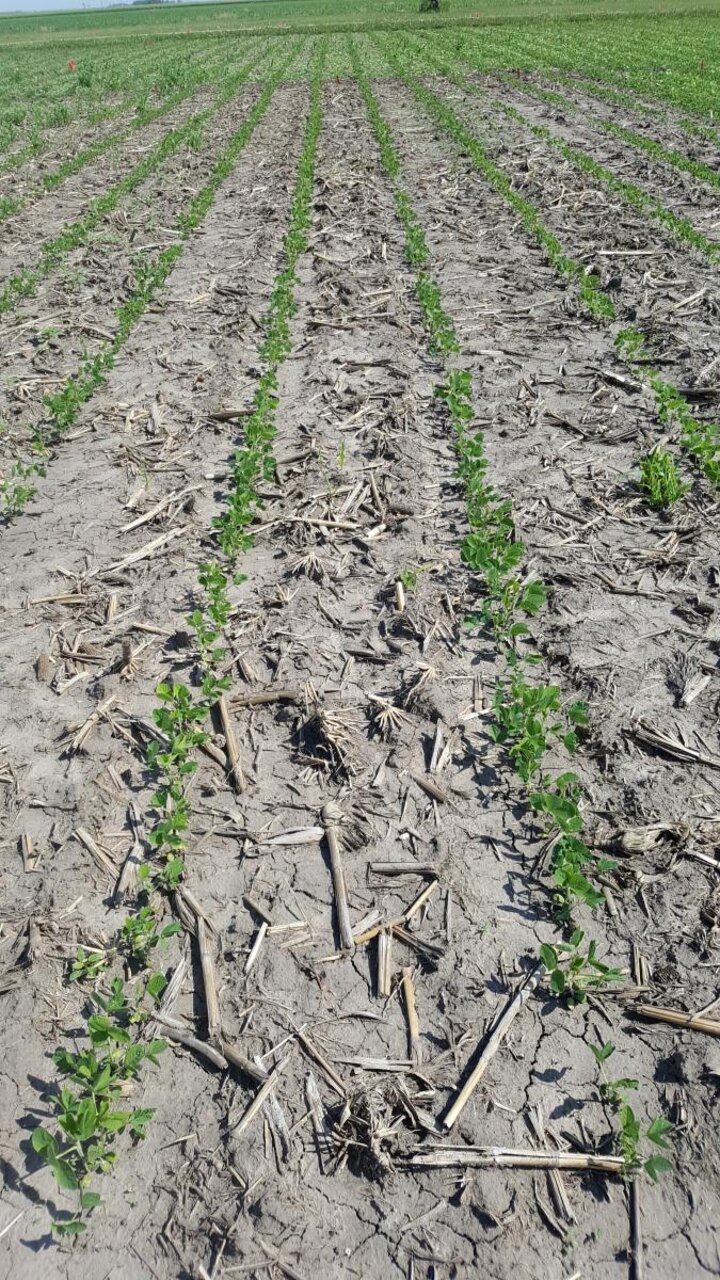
[
  {"x": 141, "y": 934},
  {"x": 88, "y": 965},
  {"x": 659, "y": 479},
  {"x": 15, "y": 489}
]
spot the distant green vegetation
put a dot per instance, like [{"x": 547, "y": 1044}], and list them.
[
  {"x": 628, "y": 46},
  {"x": 312, "y": 14}
]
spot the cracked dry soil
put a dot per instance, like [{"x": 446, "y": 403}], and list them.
[{"x": 362, "y": 699}]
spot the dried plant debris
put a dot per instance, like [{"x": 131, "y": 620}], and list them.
[{"x": 358, "y": 779}]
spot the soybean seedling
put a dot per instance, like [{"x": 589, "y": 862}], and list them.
[
  {"x": 629, "y": 1133},
  {"x": 141, "y": 934},
  {"x": 559, "y": 802},
  {"x": 574, "y": 973}
]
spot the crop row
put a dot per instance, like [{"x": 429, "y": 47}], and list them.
[
  {"x": 700, "y": 440},
  {"x": 528, "y": 719},
  {"x": 142, "y": 111},
  {"x": 680, "y": 227},
  {"x": 61, "y": 407},
  {"x": 81, "y": 1143}
]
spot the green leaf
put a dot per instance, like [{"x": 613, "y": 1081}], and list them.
[
  {"x": 604, "y": 1052},
  {"x": 658, "y": 1129},
  {"x": 548, "y": 955},
  {"x": 90, "y": 1199},
  {"x": 114, "y": 1121},
  {"x": 656, "y": 1165},
  {"x": 156, "y": 985},
  {"x": 64, "y": 1175},
  {"x": 44, "y": 1143},
  {"x": 533, "y": 598},
  {"x": 154, "y": 1049},
  {"x": 72, "y": 1228}
]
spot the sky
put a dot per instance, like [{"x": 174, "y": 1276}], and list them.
[{"x": 49, "y": 6}]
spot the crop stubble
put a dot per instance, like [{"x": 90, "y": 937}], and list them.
[{"x": 365, "y": 491}]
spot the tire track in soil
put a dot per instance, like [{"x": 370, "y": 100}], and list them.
[
  {"x": 547, "y": 411},
  {"x": 178, "y": 366},
  {"x": 83, "y": 294},
  {"x": 648, "y": 290}
]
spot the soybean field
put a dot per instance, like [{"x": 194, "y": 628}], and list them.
[{"x": 360, "y": 641}]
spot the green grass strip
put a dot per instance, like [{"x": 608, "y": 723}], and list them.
[{"x": 53, "y": 252}]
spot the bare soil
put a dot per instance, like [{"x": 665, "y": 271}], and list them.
[{"x": 365, "y": 489}]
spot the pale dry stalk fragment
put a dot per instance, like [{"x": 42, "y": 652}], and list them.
[
  {"x": 384, "y": 963},
  {"x": 234, "y": 766},
  {"x": 328, "y": 1071},
  {"x": 242, "y": 1064},
  {"x": 492, "y": 1044},
  {"x": 332, "y": 816},
  {"x": 431, "y": 788},
  {"x": 176, "y": 1031},
  {"x": 150, "y": 549},
  {"x": 257, "y": 944},
  {"x": 27, "y": 849},
  {"x": 647, "y": 734},
  {"x": 278, "y": 1261},
  {"x": 212, "y": 1002},
  {"x": 414, "y": 1043},
  {"x": 258, "y": 1101},
  {"x": 100, "y": 857},
  {"x": 188, "y": 908},
  {"x": 557, "y": 1187},
  {"x": 315, "y": 1107},
  {"x": 686, "y": 1021},
  {"x": 80, "y": 738},
  {"x": 128, "y": 878},
  {"x": 508, "y": 1158}
]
